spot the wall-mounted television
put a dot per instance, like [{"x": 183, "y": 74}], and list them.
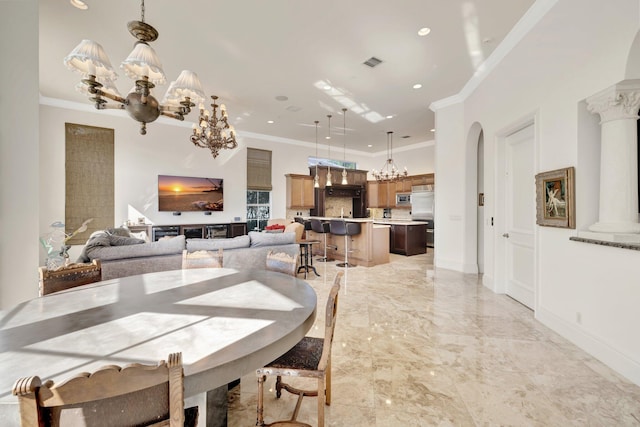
[{"x": 185, "y": 194}]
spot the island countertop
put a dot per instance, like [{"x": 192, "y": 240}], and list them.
[
  {"x": 388, "y": 221},
  {"x": 384, "y": 221},
  {"x": 371, "y": 245}
]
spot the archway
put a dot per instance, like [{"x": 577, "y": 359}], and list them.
[{"x": 473, "y": 230}]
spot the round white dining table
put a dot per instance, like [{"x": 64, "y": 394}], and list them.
[{"x": 226, "y": 323}]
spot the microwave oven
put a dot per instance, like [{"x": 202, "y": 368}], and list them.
[{"x": 403, "y": 199}]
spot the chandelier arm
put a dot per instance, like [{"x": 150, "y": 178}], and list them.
[
  {"x": 111, "y": 96},
  {"x": 111, "y": 107},
  {"x": 173, "y": 115}
]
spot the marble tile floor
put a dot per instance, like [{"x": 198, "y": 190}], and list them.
[{"x": 418, "y": 347}]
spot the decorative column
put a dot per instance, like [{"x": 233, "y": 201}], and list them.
[{"x": 618, "y": 108}]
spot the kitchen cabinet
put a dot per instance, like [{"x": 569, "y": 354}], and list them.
[
  {"x": 354, "y": 176},
  {"x": 424, "y": 179},
  {"x": 300, "y": 193},
  {"x": 408, "y": 239},
  {"x": 381, "y": 194}
]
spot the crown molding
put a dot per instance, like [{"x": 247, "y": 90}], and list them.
[{"x": 529, "y": 20}]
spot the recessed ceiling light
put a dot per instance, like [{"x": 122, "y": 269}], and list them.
[
  {"x": 417, "y": 86},
  {"x": 79, "y": 4},
  {"x": 270, "y": 122},
  {"x": 327, "y": 87},
  {"x": 327, "y": 137},
  {"x": 389, "y": 116},
  {"x": 282, "y": 98},
  {"x": 369, "y": 145},
  {"x": 433, "y": 130},
  {"x": 424, "y": 31}
]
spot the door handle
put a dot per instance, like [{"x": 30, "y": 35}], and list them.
[{"x": 506, "y": 235}]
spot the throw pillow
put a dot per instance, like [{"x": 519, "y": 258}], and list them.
[{"x": 120, "y": 231}]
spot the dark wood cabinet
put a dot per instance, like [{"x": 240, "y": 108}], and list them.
[
  {"x": 237, "y": 229},
  {"x": 200, "y": 231},
  {"x": 408, "y": 239}
]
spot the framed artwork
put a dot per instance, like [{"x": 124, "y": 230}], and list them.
[{"x": 555, "y": 198}]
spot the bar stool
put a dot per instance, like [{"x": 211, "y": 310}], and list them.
[
  {"x": 321, "y": 227},
  {"x": 340, "y": 227}
]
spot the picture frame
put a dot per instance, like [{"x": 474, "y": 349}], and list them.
[{"x": 555, "y": 198}]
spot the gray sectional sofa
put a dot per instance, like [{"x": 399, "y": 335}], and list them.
[{"x": 122, "y": 255}]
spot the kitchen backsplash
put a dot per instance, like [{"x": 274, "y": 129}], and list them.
[{"x": 336, "y": 206}]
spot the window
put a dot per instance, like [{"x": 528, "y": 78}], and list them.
[
  {"x": 258, "y": 188},
  {"x": 258, "y": 209},
  {"x": 321, "y": 161}
]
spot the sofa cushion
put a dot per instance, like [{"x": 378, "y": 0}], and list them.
[
  {"x": 215, "y": 244},
  {"x": 269, "y": 239},
  {"x": 164, "y": 247}
]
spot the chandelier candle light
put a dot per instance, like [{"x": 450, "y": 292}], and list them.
[
  {"x": 212, "y": 132},
  {"x": 389, "y": 172},
  {"x": 143, "y": 66}
]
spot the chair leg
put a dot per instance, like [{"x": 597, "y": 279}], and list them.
[
  {"x": 260, "y": 407},
  {"x": 321, "y": 401},
  {"x": 327, "y": 383}
]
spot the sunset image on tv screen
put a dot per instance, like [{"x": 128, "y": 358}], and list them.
[{"x": 183, "y": 194}]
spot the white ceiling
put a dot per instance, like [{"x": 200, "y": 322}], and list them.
[{"x": 249, "y": 52}]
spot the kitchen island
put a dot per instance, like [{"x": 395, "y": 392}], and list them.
[
  {"x": 370, "y": 247},
  {"x": 406, "y": 237}
]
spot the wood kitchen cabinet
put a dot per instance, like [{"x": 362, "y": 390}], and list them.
[
  {"x": 424, "y": 179},
  {"x": 354, "y": 176},
  {"x": 408, "y": 239},
  {"x": 381, "y": 194},
  {"x": 300, "y": 193}
]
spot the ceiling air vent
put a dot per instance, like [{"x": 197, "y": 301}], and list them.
[{"x": 372, "y": 62}]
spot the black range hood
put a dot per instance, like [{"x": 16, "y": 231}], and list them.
[{"x": 350, "y": 191}]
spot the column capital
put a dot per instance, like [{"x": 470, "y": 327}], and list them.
[{"x": 617, "y": 102}]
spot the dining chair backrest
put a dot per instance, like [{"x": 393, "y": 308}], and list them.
[
  {"x": 68, "y": 277},
  {"x": 310, "y": 358},
  {"x": 136, "y": 394},
  {"x": 282, "y": 262},
  {"x": 295, "y": 227},
  {"x": 202, "y": 259}
]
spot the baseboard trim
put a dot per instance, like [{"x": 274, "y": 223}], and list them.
[
  {"x": 592, "y": 344},
  {"x": 448, "y": 264}
]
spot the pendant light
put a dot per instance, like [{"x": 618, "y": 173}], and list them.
[
  {"x": 316, "y": 179},
  {"x": 344, "y": 146},
  {"x": 328, "y": 184}
]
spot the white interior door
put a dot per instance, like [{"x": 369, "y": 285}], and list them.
[{"x": 520, "y": 216}]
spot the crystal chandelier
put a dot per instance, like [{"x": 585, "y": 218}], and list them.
[
  {"x": 389, "y": 172},
  {"x": 143, "y": 66},
  {"x": 212, "y": 132}
]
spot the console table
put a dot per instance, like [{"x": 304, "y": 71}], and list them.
[{"x": 199, "y": 231}]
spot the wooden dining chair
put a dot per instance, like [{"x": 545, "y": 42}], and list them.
[
  {"x": 282, "y": 262},
  {"x": 68, "y": 277},
  {"x": 202, "y": 259},
  {"x": 310, "y": 358},
  {"x": 133, "y": 395}
]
